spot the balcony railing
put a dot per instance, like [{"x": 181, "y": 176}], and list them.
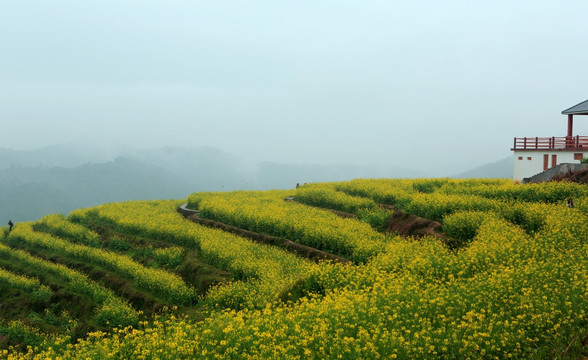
[{"x": 551, "y": 143}]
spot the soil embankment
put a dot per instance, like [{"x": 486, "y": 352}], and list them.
[
  {"x": 580, "y": 177},
  {"x": 289, "y": 245},
  {"x": 411, "y": 225}
]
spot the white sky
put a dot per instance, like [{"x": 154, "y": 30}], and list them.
[{"x": 422, "y": 84}]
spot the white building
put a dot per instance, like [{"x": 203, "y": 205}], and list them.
[{"x": 533, "y": 155}]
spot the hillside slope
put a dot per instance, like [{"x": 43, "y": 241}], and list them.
[
  {"x": 136, "y": 279},
  {"x": 59, "y": 179},
  {"x": 501, "y": 169},
  {"x": 29, "y": 193}
]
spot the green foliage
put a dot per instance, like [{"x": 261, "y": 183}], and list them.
[
  {"x": 59, "y": 226},
  {"x": 155, "y": 281},
  {"x": 376, "y": 217},
  {"x": 110, "y": 314},
  {"x": 51, "y": 317},
  {"x": 325, "y": 196},
  {"x": 146, "y": 252},
  {"x": 463, "y": 225},
  {"x": 20, "y": 333},
  {"x": 428, "y": 186},
  {"x": 33, "y": 286},
  {"x": 170, "y": 257},
  {"x": 76, "y": 282},
  {"x": 436, "y": 206},
  {"x": 529, "y": 217},
  {"x": 268, "y": 213},
  {"x": 118, "y": 244},
  {"x": 550, "y": 192},
  {"x": 274, "y": 270},
  {"x": 391, "y": 192}
]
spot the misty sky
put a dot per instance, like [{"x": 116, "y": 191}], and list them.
[{"x": 422, "y": 84}]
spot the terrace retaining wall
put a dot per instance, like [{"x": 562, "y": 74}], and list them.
[{"x": 561, "y": 169}]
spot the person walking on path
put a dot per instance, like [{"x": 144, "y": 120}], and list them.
[
  {"x": 10, "y": 224},
  {"x": 570, "y": 203}
]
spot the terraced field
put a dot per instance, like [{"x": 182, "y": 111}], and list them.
[{"x": 503, "y": 277}]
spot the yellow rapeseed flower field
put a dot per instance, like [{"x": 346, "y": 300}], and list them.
[{"x": 516, "y": 289}]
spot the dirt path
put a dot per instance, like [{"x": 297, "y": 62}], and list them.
[{"x": 289, "y": 245}]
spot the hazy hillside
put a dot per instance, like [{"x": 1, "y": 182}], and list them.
[
  {"x": 501, "y": 169},
  {"x": 206, "y": 168},
  {"x": 58, "y": 179},
  {"x": 211, "y": 169},
  {"x": 282, "y": 176},
  {"x": 53, "y": 156},
  {"x": 30, "y": 201},
  {"x": 29, "y": 193}
]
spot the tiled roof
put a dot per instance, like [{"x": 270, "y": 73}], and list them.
[{"x": 581, "y": 108}]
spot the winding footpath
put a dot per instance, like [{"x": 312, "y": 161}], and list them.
[{"x": 289, "y": 245}]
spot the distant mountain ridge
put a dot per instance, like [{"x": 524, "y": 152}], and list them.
[
  {"x": 53, "y": 156},
  {"x": 29, "y": 193},
  {"x": 59, "y": 179},
  {"x": 501, "y": 169}
]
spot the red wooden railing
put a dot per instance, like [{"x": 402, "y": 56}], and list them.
[{"x": 551, "y": 143}]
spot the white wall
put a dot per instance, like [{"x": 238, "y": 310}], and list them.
[{"x": 526, "y": 168}]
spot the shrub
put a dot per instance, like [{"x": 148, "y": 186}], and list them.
[
  {"x": 463, "y": 225},
  {"x": 119, "y": 244},
  {"x": 170, "y": 257},
  {"x": 329, "y": 198},
  {"x": 427, "y": 186},
  {"x": 20, "y": 333},
  {"x": 376, "y": 217}
]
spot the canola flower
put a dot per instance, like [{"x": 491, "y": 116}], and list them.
[
  {"x": 463, "y": 225},
  {"x": 267, "y": 212},
  {"x": 155, "y": 281},
  {"x": 263, "y": 273},
  {"x": 171, "y": 256},
  {"x": 18, "y": 331},
  {"x": 326, "y": 196},
  {"x": 24, "y": 283},
  {"x": 59, "y": 226},
  {"x": 550, "y": 192},
  {"x": 510, "y": 293},
  {"x": 111, "y": 309},
  {"x": 383, "y": 191}
]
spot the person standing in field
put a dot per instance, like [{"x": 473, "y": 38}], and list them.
[{"x": 10, "y": 224}]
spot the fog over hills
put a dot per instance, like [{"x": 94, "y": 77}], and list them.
[
  {"x": 500, "y": 169},
  {"x": 28, "y": 193},
  {"x": 56, "y": 155},
  {"x": 66, "y": 177}
]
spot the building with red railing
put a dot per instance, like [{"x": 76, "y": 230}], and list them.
[{"x": 533, "y": 155}]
